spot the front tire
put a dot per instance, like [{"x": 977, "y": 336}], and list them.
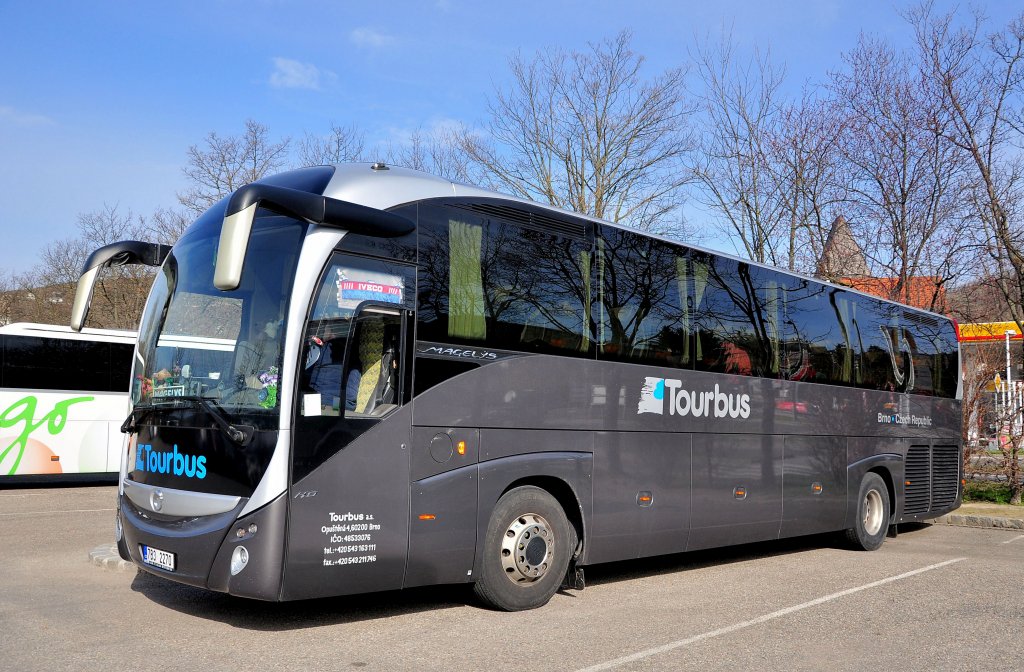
[
  {"x": 872, "y": 519},
  {"x": 526, "y": 551}
]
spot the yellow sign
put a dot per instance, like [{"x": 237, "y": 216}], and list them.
[{"x": 989, "y": 331}]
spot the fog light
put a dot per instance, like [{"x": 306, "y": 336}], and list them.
[{"x": 239, "y": 559}]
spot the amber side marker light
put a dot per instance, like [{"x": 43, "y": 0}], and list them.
[
  {"x": 645, "y": 498},
  {"x": 461, "y": 447},
  {"x": 54, "y": 458},
  {"x": 427, "y": 516}
]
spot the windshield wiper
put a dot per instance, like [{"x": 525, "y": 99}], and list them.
[
  {"x": 130, "y": 424},
  {"x": 240, "y": 434}
]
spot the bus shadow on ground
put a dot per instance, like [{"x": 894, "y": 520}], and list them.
[
  {"x": 627, "y": 570},
  {"x": 282, "y": 616}
]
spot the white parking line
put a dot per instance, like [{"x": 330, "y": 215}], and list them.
[
  {"x": 664, "y": 648},
  {"x": 1012, "y": 540},
  {"x": 43, "y": 513}
]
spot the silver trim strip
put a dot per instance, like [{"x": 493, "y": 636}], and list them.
[
  {"x": 178, "y": 502},
  {"x": 317, "y": 248}
]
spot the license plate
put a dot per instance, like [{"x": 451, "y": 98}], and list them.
[{"x": 158, "y": 558}]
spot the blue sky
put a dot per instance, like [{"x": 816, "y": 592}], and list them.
[{"x": 99, "y": 101}]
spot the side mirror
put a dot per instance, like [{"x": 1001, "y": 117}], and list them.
[
  {"x": 125, "y": 252},
  {"x": 241, "y": 211}
]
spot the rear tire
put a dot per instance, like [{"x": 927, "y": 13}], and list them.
[
  {"x": 526, "y": 551},
  {"x": 872, "y": 518}
]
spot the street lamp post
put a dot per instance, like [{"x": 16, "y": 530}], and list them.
[{"x": 1011, "y": 404}]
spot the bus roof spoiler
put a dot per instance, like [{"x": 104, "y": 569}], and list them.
[
  {"x": 125, "y": 252},
  {"x": 241, "y": 210}
]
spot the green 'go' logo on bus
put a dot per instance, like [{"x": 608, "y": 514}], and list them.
[{"x": 21, "y": 412}]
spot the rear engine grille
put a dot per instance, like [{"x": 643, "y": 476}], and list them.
[
  {"x": 931, "y": 478},
  {"x": 945, "y": 476},
  {"x": 917, "y": 493}
]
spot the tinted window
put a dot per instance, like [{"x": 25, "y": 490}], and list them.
[
  {"x": 485, "y": 280},
  {"x": 884, "y": 351},
  {"x": 945, "y": 357},
  {"x": 121, "y": 366},
  {"x": 727, "y": 319},
  {"x": 352, "y": 356},
  {"x": 31, "y": 362},
  {"x": 817, "y": 350},
  {"x": 644, "y": 286},
  {"x": 933, "y": 351}
]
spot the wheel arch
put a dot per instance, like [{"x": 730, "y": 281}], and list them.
[
  {"x": 887, "y": 478},
  {"x": 563, "y": 494},
  {"x": 888, "y": 466},
  {"x": 566, "y": 476}
]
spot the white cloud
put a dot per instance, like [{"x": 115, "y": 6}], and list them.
[
  {"x": 14, "y": 117},
  {"x": 291, "y": 74},
  {"x": 368, "y": 37}
]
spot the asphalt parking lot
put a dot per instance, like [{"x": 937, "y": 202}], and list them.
[{"x": 934, "y": 598}]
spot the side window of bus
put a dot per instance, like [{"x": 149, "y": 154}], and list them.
[
  {"x": 725, "y": 320},
  {"x": 643, "y": 315},
  {"x": 945, "y": 359},
  {"x": 372, "y": 363},
  {"x": 884, "y": 350},
  {"x": 59, "y": 364},
  {"x": 815, "y": 353},
  {"x": 353, "y": 339},
  {"x": 930, "y": 345},
  {"x": 486, "y": 280}
]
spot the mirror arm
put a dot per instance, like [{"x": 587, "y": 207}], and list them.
[{"x": 121, "y": 253}]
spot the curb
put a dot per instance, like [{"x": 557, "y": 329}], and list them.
[
  {"x": 980, "y": 521},
  {"x": 106, "y": 556}
]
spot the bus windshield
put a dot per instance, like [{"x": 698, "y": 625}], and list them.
[{"x": 196, "y": 340}]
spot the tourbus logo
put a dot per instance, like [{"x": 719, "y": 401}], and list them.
[
  {"x": 162, "y": 462},
  {"x": 656, "y": 391}
]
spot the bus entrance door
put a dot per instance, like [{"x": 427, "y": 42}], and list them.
[{"x": 348, "y": 522}]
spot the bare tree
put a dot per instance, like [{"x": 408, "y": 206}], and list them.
[
  {"x": 807, "y": 171},
  {"x": 167, "y": 225},
  {"x": 226, "y": 163},
  {"x": 733, "y": 164},
  {"x": 341, "y": 144},
  {"x": 8, "y": 297},
  {"x": 906, "y": 184},
  {"x": 980, "y": 83},
  {"x": 587, "y": 132},
  {"x": 120, "y": 293},
  {"x": 438, "y": 152}
]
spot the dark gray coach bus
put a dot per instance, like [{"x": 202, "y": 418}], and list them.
[{"x": 358, "y": 378}]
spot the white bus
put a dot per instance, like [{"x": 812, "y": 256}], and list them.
[{"x": 63, "y": 397}]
